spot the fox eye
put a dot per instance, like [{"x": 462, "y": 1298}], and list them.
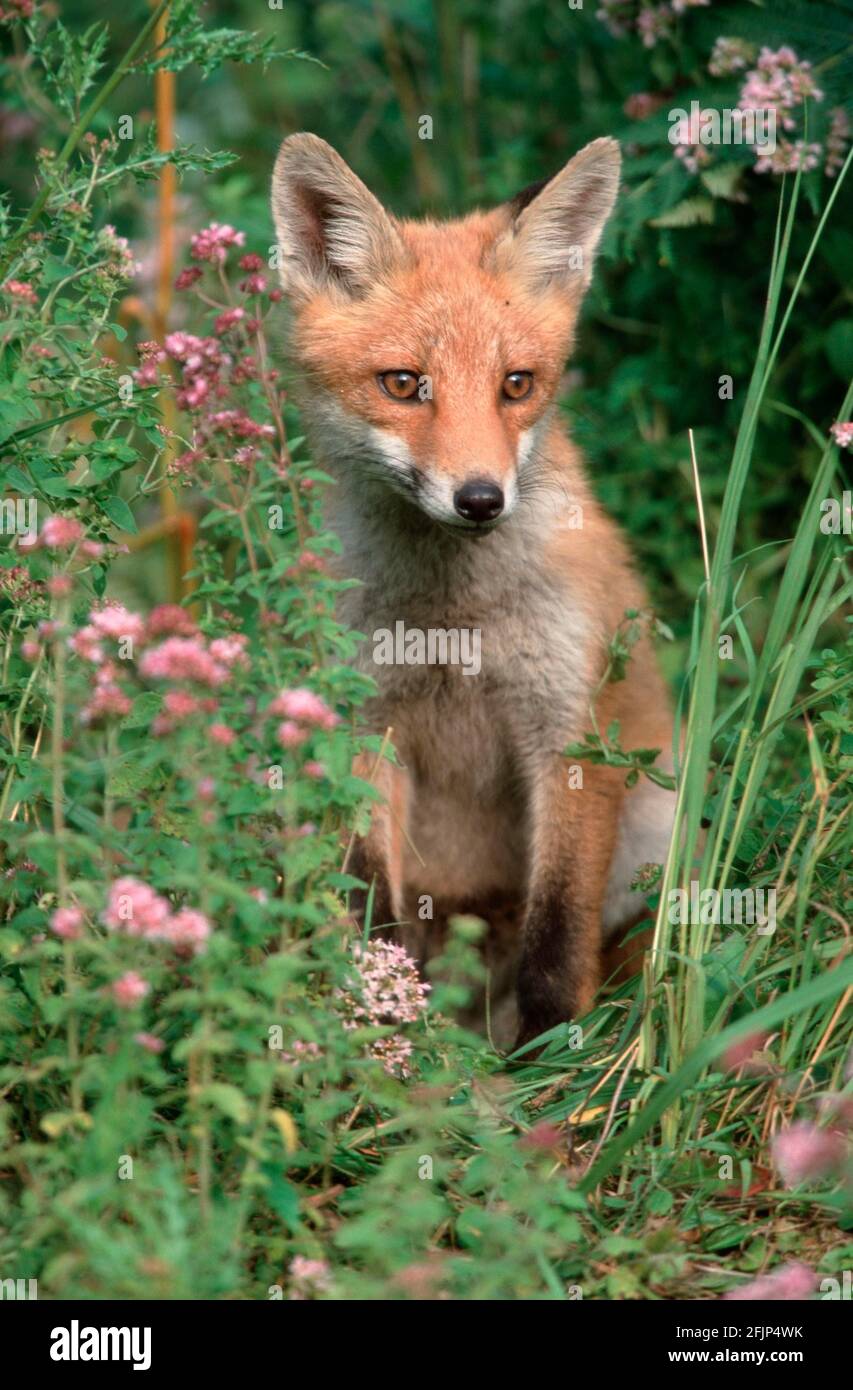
[
  {"x": 400, "y": 386},
  {"x": 517, "y": 385}
]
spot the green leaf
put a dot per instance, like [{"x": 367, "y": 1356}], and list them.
[
  {"x": 691, "y": 212},
  {"x": 119, "y": 513},
  {"x": 228, "y": 1099}
]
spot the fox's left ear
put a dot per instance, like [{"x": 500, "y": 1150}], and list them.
[{"x": 556, "y": 226}]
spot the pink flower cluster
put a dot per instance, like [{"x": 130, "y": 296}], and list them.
[
  {"x": 135, "y": 909},
  {"x": 63, "y": 533},
  {"x": 202, "y": 362},
  {"x": 130, "y": 989},
  {"x": 67, "y": 923},
  {"x": 302, "y": 711},
  {"x": 119, "y": 249},
  {"x": 308, "y": 1278},
  {"x": 804, "y": 1151},
  {"x": 60, "y": 532},
  {"x": 729, "y": 56},
  {"x": 842, "y": 433},
  {"x": 207, "y": 373},
  {"x": 652, "y": 22},
  {"x": 212, "y": 243},
  {"x": 837, "y": 141},
  {"x": 107, "y": 700},
  {"x": 781, "y": 82},
  {"x": 174, "y": 651},
  {"x": 386, "y": 990},
  {"x": 793, "y": 1281},
  {"x": 193, "y": 659},
  {"x": 21, "y": 289}
]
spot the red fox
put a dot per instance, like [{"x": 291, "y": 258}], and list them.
[{"x": 430, "y": 355}]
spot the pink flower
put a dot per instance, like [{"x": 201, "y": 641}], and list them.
[
  {"x": 117, "y": 622},
  {"x": 640, "y": 105},
  {"x": 21, "y": 289},
  {"x": 387, "y": 989},
  {"x": 314, "y": 769},
  {"x": 107, "y": 701},
  {"x": 251, "y": 261},
  {"x": 653, "y": 24},
  {"x": 728, "y": 56},
  {"x": 804, "y": 1151},
  {"x": 254, "y": 284},
  {"x": 305, "y": 706},
  {"x": 290, "y": 735},
  {"x": 221, "y": 734},
  {"x": 780, "y": 83},
  {"x": 837, "y": 140},
  {"x": 149, "y": 1041},
  {"x": 388, "y": 983},
  {"x": 188, "y": 930},
  {"x": 239, "y": 424},
  {"x": 169, "y": 619},
  {"x": 60, "y": 532},
  {"x": 30, "y": 650},
  {"x": 188, "y": 277},
  {"x": 135, "y": 909},
  {"x": 182, "y": 658},
  {"x": 229, "y": 319},
  {"x": 793, "y": 1281},
  {"x": 86, "y": 643},
  {"x": 212, "y": 243},
  {"x": 309, "y": 1278},
  {"x": 842, "y": 433},
  {"x": 130, "y": 989},
  {"x": 542, "y": 1137},
  {"x": 300, "y": 1051},
  {"x": 108, "y": 698},
  {"x": 60, "y": 586},
  {"x": 67, "y": 922},
  {"x": 180, "y": 704},
  {"x": 230, "y": 650},
  {"x": 206, "y": 789}
]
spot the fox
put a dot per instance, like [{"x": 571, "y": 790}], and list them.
[{"x": 428, "y": 357}]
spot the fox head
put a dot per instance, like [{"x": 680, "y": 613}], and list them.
[{"x": 431, "y": 352}]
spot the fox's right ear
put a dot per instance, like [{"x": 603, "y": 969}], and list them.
[{"x": 331, "y": 230}]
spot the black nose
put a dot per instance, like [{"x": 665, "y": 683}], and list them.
[{"x": 479, "y": 500}]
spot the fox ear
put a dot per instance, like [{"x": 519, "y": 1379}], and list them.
[
  {"x": 555, "y": 226},
  {"x": 331, "y": 230}
]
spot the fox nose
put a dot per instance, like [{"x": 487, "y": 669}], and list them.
[{"x": 479, "y": 500}]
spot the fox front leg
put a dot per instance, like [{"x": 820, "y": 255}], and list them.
[
  {"x": 573, "y": 837},
  {"x": 377, "y": 857}
]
